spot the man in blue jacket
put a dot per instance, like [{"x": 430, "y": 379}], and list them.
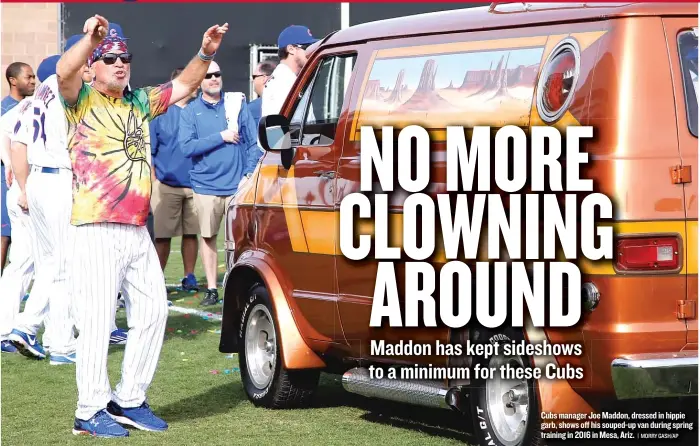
[
  {"x": 172, "y": 202},
  {"x": 221, "y": 157}
]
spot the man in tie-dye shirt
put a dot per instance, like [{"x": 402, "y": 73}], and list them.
[{"x": 109, "y": 147}]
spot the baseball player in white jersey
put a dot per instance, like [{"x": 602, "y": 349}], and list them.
[
  {"x": 16, "y": 278},
  {"x": 46, "y": 192}
]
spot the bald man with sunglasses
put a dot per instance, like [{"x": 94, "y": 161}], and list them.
[{"x": 223, "y": 147}]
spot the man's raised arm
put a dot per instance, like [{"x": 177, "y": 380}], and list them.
[
  {"x": 69, "y": 67},
  {"x": 193, "y": 74}
]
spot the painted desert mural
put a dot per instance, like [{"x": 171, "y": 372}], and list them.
[{"x": 492, "y": 87}]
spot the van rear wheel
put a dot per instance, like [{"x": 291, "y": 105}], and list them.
[
  {"x": 504, "y": 412},
  {"x": 267, "y": 383}
]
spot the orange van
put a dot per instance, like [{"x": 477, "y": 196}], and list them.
[{"x": 294, "y": 306}]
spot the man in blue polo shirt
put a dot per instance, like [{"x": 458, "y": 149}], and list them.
[
  {"x": 222, "y": 157},
  {"x": 22, "y": 81},
  {"x": 174, "y": 213}
]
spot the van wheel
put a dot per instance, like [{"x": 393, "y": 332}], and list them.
[
  {"x": 504, "y": 412},
  {"x": 267, "y": 383}
]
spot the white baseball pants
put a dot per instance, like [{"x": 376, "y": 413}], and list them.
[
  {"x": 50, "y": 218},
  {"x": 15, "y": 279},
  {"x": 108, "y": 257}
]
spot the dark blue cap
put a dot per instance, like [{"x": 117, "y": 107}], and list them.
[
  {"x": 47, "y": 67},
  {"x": 72, "y": 40},
  {"x": 295, "y": 35},
  {"x": 115, "y": 30}
]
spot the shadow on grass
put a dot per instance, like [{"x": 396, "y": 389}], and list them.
[
  {"x": 215, "y": 401},
  {"x": 436, "y": 422},
  {"x": 226, "y": 397}
]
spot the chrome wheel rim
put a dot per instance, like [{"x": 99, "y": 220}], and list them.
[
  {"x": 507, "y": 402},
  {"x": 261, "y": 346}
]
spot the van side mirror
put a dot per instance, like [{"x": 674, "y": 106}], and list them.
[
  {"x": 274, "y": 136},
  {"x": 273, "y": 131}
]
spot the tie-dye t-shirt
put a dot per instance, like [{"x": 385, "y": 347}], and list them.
[{"x": 110, "y": 151}]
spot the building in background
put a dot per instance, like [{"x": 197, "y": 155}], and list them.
[
  {"x": 28, "y": 42},
  {"x": 163, "y": 37}
]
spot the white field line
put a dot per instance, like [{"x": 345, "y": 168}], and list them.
[
  {"x": 210, "y": 316},
  {"x": 202, "y": 288}
]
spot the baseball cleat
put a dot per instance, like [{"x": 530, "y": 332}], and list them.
[
  {"x": 189, "y": 283},
  {"x": 7, "y": 347},
  {"x": 62, "y": 359},
  {"x": 118, "y": 337},
  {"x": 211, "y": 298},
  {"x": 27, "y": 344},
  {"x": 141, "y": 417},
  {"x": 100, "y": 425}
]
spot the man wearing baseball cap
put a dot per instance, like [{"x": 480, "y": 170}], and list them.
[{"x": 292, "y": 44}]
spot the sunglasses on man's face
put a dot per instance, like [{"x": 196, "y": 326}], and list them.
[
  {"x": 214, "y": 74},
  {"x": 303, "y": 47},
  {"x": 255, "y": 76},
  {"x": 111, "y": 58}
]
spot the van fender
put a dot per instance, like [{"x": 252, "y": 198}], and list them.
[
  {"x": 555, "y": 396},
  {"x": 255, "y": 267}
]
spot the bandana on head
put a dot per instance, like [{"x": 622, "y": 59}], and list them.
[{"x": 108, "y": 45}]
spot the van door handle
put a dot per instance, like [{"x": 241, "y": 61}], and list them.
[{"x": 330, "y": 174}]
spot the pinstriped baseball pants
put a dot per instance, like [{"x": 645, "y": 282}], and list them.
[
  {"x": 17, "y": 276},
  {"x": 108, "y": 257},
  {"x": 49, "y": 200}
]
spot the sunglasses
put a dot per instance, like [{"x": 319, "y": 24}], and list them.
[
  {"x": 255, "y": 76},
  {"x": 303, "y": 47},
  {"x": 111, "y": 58},
  {"x": 214, "y": 74}
]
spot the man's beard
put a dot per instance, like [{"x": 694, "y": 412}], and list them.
[
  {"x": 117, "y": 86},
  {"x": 213, "y": 91},
  {"x": 26, "y": 92}
]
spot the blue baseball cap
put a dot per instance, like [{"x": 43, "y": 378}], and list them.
[
  {"x": 295, "y": 35},
  {"x": 72, "y": 40},
  {"x": 115, "y": 30},
  {"x": 47, "y": 67}
]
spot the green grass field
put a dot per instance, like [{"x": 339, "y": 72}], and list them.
[{"x": 207, "y": 408}]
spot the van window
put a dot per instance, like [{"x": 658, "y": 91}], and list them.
[
  {"x": 319, "y": 109},
  {"x": 688, "y": 50}
]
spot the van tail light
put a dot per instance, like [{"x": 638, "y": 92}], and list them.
[
  {"x": 647, "y": 254},
  {"x": 558, "y": 80}
]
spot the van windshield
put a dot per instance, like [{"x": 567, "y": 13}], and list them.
[{"x": 688, "y": 50}]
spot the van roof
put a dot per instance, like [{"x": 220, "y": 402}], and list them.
[{"x": 503, "y": 15}]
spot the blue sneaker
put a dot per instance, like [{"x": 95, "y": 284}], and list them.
[
  {"x": 7, "y": 347},
  {"x": 62, "y": 359},
  {"x": 100, "y": 425},
  {"x": 118, "y": 337},
  {"x": 27, "y": 344},
  {"x": 141, "y": 417},
  {"x": 189, "y": 283}
]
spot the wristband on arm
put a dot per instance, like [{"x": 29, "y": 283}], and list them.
[{"x": 204, "y": 57}]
